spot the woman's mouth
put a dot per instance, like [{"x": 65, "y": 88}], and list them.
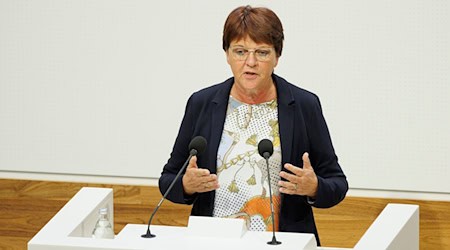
[{"x": 250, "y": 75}]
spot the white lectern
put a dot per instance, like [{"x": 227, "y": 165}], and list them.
[{"x": 71, "y": 229}]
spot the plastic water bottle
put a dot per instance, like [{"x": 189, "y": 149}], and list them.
[{"x": 103, "y": 228}]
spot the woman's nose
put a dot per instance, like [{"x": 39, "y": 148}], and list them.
[{"x": 251, "y": 59}]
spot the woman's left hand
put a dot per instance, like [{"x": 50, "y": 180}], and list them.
[{"x": 301, "y": 181}]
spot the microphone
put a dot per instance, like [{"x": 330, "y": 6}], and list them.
[
  {"x": 265, "y": 149},
  {"x": 196, "y": 147}
]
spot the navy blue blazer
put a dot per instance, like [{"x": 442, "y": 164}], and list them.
[{"x": 302, "y": 129}]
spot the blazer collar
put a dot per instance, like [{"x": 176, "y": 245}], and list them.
[{"x": 223, "y": 93}]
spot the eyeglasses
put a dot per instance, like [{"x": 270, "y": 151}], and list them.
[{"x": 241, "y": 54}]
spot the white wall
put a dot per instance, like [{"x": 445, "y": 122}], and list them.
[{"x": 98, "y": 87}]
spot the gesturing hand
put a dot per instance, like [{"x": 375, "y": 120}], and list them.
[
  {"x": 302, "y": 181},
  {"x": 198, "y": 180}
]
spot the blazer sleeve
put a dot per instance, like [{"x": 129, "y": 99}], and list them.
[
  {"x": 332, "y": 182},
  {"x": 177, "y": 158}
]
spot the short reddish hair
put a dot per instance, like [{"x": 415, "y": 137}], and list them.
[{"x": 261, "y": 24}]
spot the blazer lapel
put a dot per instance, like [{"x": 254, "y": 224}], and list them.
[
  {"x": 219, "y": 110},
  {"x": 286, "y": 112}
]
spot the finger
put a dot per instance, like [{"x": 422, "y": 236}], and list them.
[
  {"x": 209, "y": 186},
  {"x": 289, "y": 177},
  {"x": 207, "y": 178},
  {"x": 193, "y": 162},
  {"x": 295, "y": 170},
  {"x": 193, "y": 168},
  {"x": 287, "y": 185},
  {"x": 306, "y": 161},
  {"x": 286, "y": 190},
  {"x": 201, "y": 173},
  {"x": 213, "y": 185},
  {"x": 197, "y": 174},
  {"x": 202, "y": 183}
]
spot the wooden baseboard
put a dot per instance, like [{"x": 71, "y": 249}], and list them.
[{"x": 26, "y": 206}]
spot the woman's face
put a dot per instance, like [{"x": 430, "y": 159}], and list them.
[{"x": 252, "y": 64}]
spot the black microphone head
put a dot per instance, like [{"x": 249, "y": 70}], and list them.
[
  {"x": 265, "y": 148},
  {"x": 197, "y": 145}
]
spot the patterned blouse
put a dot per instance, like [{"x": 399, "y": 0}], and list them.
[{"x": 241, "y": 171}]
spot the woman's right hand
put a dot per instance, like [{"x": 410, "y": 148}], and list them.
[{"x": 198, "y": 180}]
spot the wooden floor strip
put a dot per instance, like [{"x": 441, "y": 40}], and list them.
[{"x": 26, "y": 206}]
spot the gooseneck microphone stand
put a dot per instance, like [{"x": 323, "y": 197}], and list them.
[
  {"x": 265, "y": 148},
  {"x": 196, "y": 146},
  {"x": 149, "y": 234},
  {"x": 274, "y": 239}
]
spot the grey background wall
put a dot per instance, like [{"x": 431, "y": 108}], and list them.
[{"x": 99, "y": 87}]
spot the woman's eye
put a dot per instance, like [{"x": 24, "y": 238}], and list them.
[
  {"x": 239, "y": 52},
  {"x": 263, "y": 53}
]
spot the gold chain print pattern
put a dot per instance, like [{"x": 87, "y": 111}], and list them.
[{"x": 242, "y": 171}]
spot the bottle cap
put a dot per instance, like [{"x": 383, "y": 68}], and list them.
[{"x": 103, "y": 210}]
